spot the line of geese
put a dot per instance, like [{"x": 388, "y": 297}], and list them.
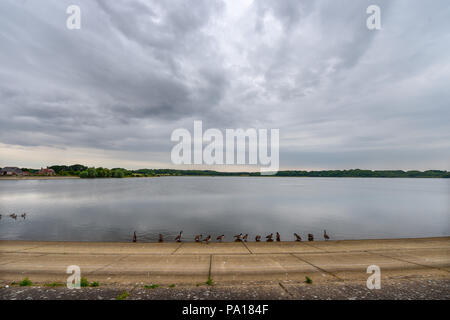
[
  {"x": 15, "y": 216},
  {"x": 239, "y": 237}
]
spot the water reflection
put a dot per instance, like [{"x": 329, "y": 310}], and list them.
[{"x": 112, "y": 209}]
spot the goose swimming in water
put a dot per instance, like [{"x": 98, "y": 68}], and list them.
[
  {"x": 278, "y": 237},
  {"x": 23, "y": 215},
  {"x": 310, "y": 237},
  {"x": 13, "y": 215},
  {"x": 134, "y": 237},
  {"x": 325, "y": 235},
  {"x": 220, "y": 238},
  {"x": 297, "y": 237},
  {"x": 178, "y": 237},
  {"x": 269, "y": 237},
  {"x": 198, "y": 238},
  {"x": 258, "y": 238}
]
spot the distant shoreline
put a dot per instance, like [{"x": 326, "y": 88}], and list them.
[
  {"x": 38, "y": 177},
  {"x": 200, "y": 175}
]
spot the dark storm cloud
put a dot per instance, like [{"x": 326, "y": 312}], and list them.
[{"x": 341, "y": 94}]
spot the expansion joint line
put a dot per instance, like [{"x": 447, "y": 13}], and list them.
[
  {"x": 245, "y": 245},
  {"x": 210, "y": 265},
  {"x": 177, "y": 248},
  {"x": 285, "y": 289},
  {"x": 109, "y": 264},
  {"x": 402, "y": 260},
  {"x": 323, "y": 270}
]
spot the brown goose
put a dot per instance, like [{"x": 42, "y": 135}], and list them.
[
  {"x": 325, "y": 235},
  {"x": 161, "y": 239},
  {"x": 278, "y": 237},
  {"x": 13, "y": 215},
  {"x": 198, "y": 238},
  {"x": 245, "y": 237},
  {"x": 207, "y": 239},
  {"x": 134, "y": 237},
  {"x": 297, "y": 237},
  {"x": 269, "y": 237},
  {"x": 238, "y": 237},
  {"x": 310, "y": 237},
  {"x": 258, "y": 238},
  {"x": 178, "y": 237},
  {"x": 220, "y": 238}
]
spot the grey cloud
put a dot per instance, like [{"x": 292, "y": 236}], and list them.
[{"x": 139, "y": 69}]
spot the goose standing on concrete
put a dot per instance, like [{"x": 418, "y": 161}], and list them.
[
  {"x": 245, "y": 237},
  {"x": 258, "y": 238},
  {"x": 310, "y": 237},
  {"x": 297, "y": 237},
  {"x": 161, "y": 239},
  {"x": 207, "y": 239},
  {"x": 198, "y": 238},
  {"x": 238, "y": 237},
  {"x": 278, "y": 237},
  {"x": 178, "y": 237},
  {"x": 134, "y": 237},
  {"x": 325, "y": 235},
  {"x": 220, "y": 238},
  {"x": 269, "y": 237}
]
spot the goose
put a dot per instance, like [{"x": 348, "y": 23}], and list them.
[
  {"x": 13, "y": 215},
  {"x": 297, "y": 237},
  {"x": 207, "y": 239},
  {"x": 238, "y": 237},
  {"x": 178, "y": 237},
  {"x": 23, "y": 215},
  {"x": 258, "y": 238},
  {"x": 327, "y": 237},
  {"x": 0, "y": 216},
  {"x": 310, "y": 237},
  {"x": 198, "y": 237},
  {"x": 161, "y": 238},
  {"x": 269, "y": 237},
  {"x": 245, "y": 237},
  {"x": 134, "y": 237},
  {"x": 278, "y": 237},
  {"x": 220, "y": 238}
]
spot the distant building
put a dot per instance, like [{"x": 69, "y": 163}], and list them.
[
  {"x": 46, "y": 172},
  {"x": 11, "y": 171}
]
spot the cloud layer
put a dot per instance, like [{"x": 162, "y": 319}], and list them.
[{"x": 342, "y": 96}]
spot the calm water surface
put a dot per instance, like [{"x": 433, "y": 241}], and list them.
[{"x": 111, "y": 209}]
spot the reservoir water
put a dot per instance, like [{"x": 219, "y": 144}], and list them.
[{"x": 112, "y": 209}]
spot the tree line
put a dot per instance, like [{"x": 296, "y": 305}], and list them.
[{"x": 92, "y": 172}]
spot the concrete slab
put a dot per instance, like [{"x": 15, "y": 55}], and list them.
[
  {"x": 353, "y": 265},
  {"x": 381, "y": 244},
  {"x": 280, "y": 247},
  {"x": 212, "y": 248},
  {"x": 157, "y": 269},
  {"x": 262, "y": 267},
  {"x": 103, "y": 248},
  {"x": 436, "y": 258}
]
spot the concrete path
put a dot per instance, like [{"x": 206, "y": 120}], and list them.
[{"x": 226, "y": 263}]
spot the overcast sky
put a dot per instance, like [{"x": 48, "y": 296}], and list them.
[{"x": 111, "y": 93}]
